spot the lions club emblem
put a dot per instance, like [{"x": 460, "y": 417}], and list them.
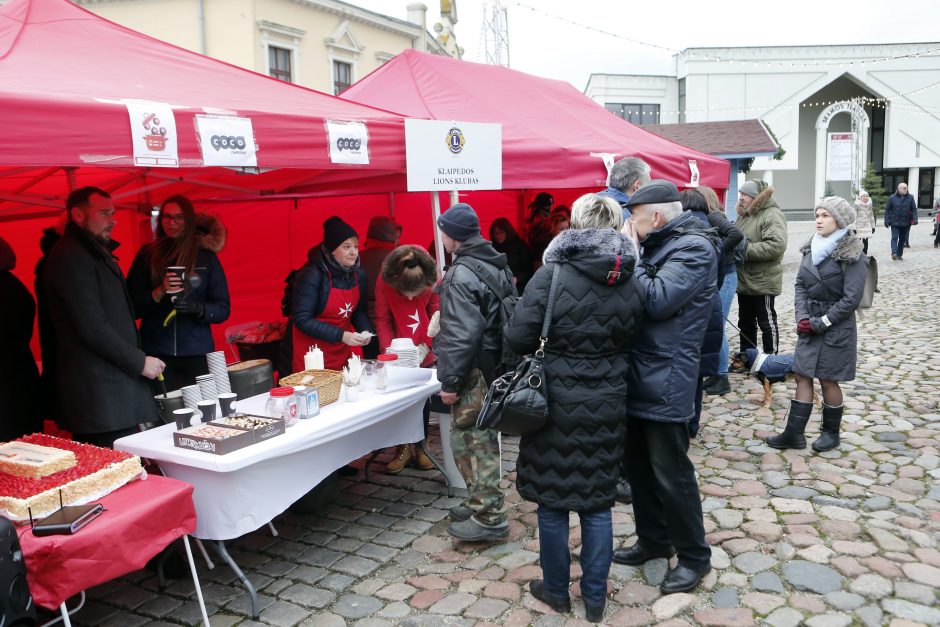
[{"x": 455, "y": 140}]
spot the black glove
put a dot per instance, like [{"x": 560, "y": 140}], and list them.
[{"x": 183, "y": 306}]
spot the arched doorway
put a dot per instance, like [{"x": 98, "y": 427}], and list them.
[{"x": 854, "y": 142}]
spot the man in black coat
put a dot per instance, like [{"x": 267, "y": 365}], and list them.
[
  {"x": 900, "y": 214},
  {"x": 468, "y": 349},
  {"x": 101, "y": 394},
  {"x": 678, "y": 276}
]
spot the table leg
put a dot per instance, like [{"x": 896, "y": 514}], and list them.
[
  {"x": 192, "y": 569},
  {"x": 223, "y": 553},
  {"x": 66, "y": 614},
  {"x": 423, "y": 444},
  {"x": 205, "y": 554}
]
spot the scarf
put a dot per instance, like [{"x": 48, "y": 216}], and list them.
[{"x": 822, "y": 247}]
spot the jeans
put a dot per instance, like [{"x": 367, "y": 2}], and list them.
[
  {"x": 899, "y": 235},
  {"x": 597, "y": 550},
  {"x": 726, "y": 295},
  {"x": 753, "y": 311},
  {"x": 666, "y": 501}
]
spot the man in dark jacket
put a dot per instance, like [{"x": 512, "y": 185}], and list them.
[
  {"x": 628, "y": 175},
  {"x": 381, "y": 239},
  {"x": 678, "y": 276},
  {"x": 101, "y": 394},
  {"x": 900, "y": 214},
  {"x": 468, "y": 349}
]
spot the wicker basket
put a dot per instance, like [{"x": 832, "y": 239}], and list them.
[{"x": 328, "y": 382}]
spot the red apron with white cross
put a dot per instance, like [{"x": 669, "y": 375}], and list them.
[{"x": 339, "y": 309}]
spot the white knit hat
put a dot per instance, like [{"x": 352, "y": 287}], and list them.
[{"x": 840, "y": 209}]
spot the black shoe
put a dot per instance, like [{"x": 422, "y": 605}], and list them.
[
  {"x": 637, "y": 555},
  {"x": 472, "y": 530},
  {"x": 624, "y": 491},
  {"x": 683, "y": 579},
  {"x": 831, "y": 422},
  {"x": 594, "y": 613},
  {"x": 792, "y": 436},
  {"x": 709, "y": 381},
  {"x": 461, "y": 512},
  {"x": 718, "y": 387},
  {"x": 537, "y": 588}
]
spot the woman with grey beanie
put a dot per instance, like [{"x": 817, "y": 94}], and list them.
[{"x": 829, "y": 288}]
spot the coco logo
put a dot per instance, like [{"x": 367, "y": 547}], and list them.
[
  {"x": 455, "y": 140},
  {"x": 227, "y": 142},
  {"x": 348, "y": 143}
]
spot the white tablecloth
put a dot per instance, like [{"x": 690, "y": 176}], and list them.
[{"x": 244, "y": 490}]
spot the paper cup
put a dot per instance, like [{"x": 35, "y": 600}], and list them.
[
  {"x": 178, "y": 271},
  {"x": 352, "y": 393},
  {"x": 227, "y": 403},
  {"x": 183, "y": 417},
  {"x": 207, "y": 409}
]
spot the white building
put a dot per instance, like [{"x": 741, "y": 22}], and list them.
[{"x": 803, "y": 94}]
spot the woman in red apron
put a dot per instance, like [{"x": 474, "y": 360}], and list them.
[
  {"x": 404, "y": 303},
  {"x": 329, "y": 305}
]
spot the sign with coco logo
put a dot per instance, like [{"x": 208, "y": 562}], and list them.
[
  {"x": 445, "y": 156},
  {"x": 226, "y": 141},
  {"x": 349, "y": 142}
]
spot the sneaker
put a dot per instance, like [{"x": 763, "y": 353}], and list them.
[{"x": 472, "y": 530}]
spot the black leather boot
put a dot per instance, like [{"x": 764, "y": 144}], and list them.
[
  {"x": 792, "y": 436},
  {"x": 829, "y": 436}
]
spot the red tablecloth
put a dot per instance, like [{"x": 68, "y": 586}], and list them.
[{"x": 141, "y": 519}]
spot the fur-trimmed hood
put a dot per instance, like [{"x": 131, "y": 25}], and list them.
[
  {"x": 604, "y": 255},
  {"x": 396, "y": 262},
  {"x": 848, "y": 250},
  {"x": 765, "y": 198},
  {"x": 211, "y": 232}
]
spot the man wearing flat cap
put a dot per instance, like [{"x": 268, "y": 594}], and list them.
[
  {"x": 678, "y": 276},
  {"x": 469, "y": 350},
  {"x": 760, "y": 272}
]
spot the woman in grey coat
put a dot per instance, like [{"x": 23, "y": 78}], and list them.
[{"x": 829, "y": 288}]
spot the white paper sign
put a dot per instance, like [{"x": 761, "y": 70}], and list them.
[
  {"x": 349, "y": 142},
  {"x": 445, "y": 156},
  {"x": 153, "y": 131},
  {"x": 693, "y": 168},
  {"x": 839, "y": 156},
  {"x": 226, "y": 141}
]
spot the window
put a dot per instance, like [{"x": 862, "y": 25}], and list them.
[
  {"x": 635, "y": 113},
  {"x": 342, "y": 76},
  {"x": 279, "y": 64}
]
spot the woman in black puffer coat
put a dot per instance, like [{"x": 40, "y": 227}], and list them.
[{"x": 573, "y": 464}]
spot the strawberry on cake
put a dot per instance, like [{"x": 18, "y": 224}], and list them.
[{"x": 34, "y": 468}]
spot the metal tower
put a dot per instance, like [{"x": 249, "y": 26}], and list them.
[{"x": 496, "y": 33}]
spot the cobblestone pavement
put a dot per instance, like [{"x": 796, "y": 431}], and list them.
[{"x": 847, "y": 537}]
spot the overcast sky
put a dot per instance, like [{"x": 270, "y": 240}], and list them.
[{"x": 550, "y": 47}]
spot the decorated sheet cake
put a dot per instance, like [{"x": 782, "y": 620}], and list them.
[{"x": 34, "y": 468}]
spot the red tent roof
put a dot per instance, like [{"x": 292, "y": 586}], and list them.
[
  {"x": 550, "y": 128},
  {"x": 64, "y": 73}
]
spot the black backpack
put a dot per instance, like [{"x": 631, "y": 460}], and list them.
[{"x": 508, "y": 359}]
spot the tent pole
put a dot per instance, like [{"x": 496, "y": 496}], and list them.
[
  {"x": 454, "y": 197},
  {"x": 391, "y": 205},
  {"x": 438, "y": 242}
]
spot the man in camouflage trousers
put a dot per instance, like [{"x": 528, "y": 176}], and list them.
[{"x": 468, "y": 348}]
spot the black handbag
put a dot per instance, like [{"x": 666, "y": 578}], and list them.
[{"x": 517, "y": 402}]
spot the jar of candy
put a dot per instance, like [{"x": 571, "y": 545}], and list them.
[
  {"x": 381, "y": 369},
  {"x": 282, "y": 404}
]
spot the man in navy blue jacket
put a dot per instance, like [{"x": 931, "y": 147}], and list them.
[{"x": 900, "y": 214}]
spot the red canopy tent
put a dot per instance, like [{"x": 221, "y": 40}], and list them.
[
  {"x": 64, "y": 76},
  {"x": 550, "y": 129}
]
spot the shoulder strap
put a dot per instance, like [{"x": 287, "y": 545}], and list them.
[
  {"x": 477, "y": 269},
  {"x": 549, "y": 310}
]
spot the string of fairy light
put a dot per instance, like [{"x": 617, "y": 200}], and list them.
[
  {"x": 697, "y": 55},
  {"x": 894, "y": 102}
]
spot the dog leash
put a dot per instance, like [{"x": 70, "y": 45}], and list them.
[{"x": 741, "y": 333}]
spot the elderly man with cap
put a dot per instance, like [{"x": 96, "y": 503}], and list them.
[
  {"x": 469, "y": 350},
  {"x": 678, "y": 276},
  {"x": 829, "y": 287},
  {"x": 760, "y": 264}
]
